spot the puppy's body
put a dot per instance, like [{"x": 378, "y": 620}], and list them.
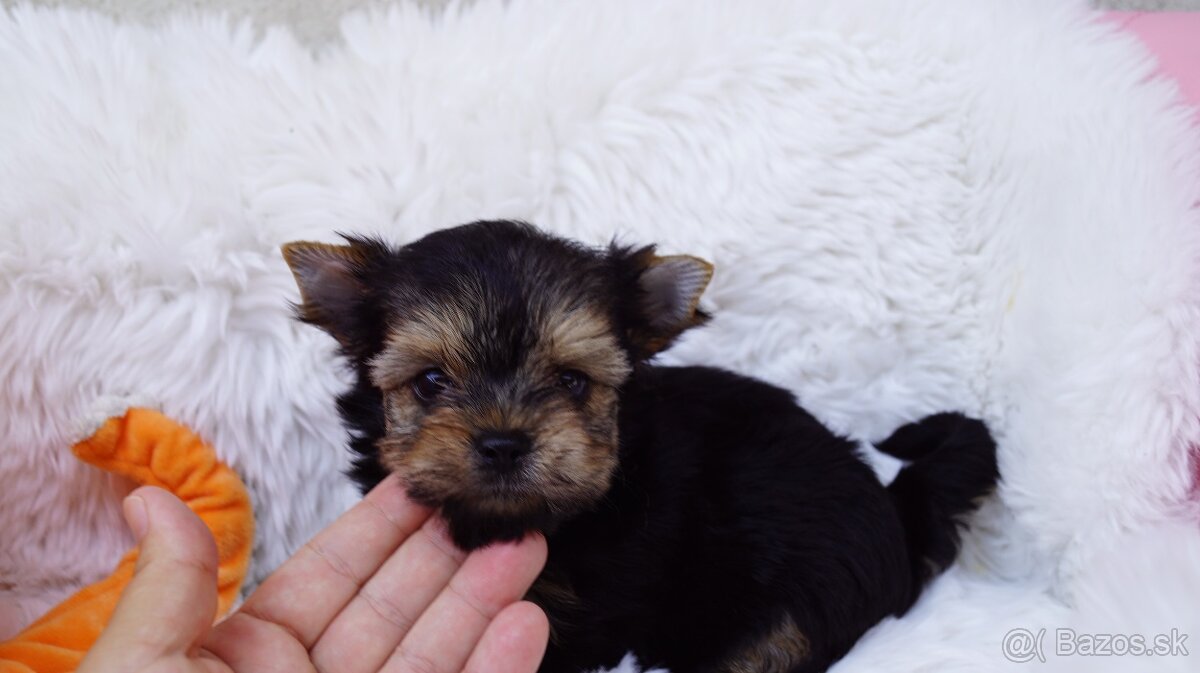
[
  {"x": 737, "y": 529},
  {"x": 701, "y": 519}
]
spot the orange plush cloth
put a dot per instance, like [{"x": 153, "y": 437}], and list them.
[{"x": 151, "y": 449}]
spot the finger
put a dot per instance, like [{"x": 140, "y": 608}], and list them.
[
  {"x": 245, "y": 644},
  {"x": 309, "y": 590},
  {"x": 375, "y": 621},
  {"x": 514, "y": 642},
  {"x": 170, "y": 603},
  {"x": 489, "y": 580}
]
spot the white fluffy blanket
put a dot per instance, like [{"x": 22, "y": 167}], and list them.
[{"x": 912, "y": 206}]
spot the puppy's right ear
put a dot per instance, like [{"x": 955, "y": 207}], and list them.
[{"x": 332, "y": 288}]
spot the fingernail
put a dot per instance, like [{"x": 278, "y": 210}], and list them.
[{"x": 135, "y": 515}]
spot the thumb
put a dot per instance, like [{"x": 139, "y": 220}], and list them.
[{"x": 171, "y": 601}]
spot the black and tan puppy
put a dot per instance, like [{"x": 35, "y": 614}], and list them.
[{"x": 696, "y": 517}]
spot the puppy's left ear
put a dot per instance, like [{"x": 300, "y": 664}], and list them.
[
  {"x": 332, "y": 287},
  {"x": 668, "y": 299}
]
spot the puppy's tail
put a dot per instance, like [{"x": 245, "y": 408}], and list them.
[{"x": 952, "y": 464}]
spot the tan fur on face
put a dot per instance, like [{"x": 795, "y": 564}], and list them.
[
  {"x": 433, "y": 455},
  {"x": 576, "y": 448},
  {"x": 571, "y": 464},
  {"x": 574, "y": 445},
  {"x": 582, "y": 339},
  {"x": 432, "y": 337},
  {"x": 782, "y": 649},
  {"x": 574, "y": 461}
]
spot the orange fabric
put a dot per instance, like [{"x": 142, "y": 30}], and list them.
[{"x": 153, "y": 450}]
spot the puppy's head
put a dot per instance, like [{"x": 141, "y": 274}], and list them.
[{"x": 498, "y": 352}]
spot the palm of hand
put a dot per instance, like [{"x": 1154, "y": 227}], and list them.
[{"x": 382, "y": 589}]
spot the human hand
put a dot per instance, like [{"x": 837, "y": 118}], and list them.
[{"x": 381, "y": 589}]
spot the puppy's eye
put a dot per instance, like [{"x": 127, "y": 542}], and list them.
[
  {"x": 575, "y": 382},
  {"x": 429, "y": 384}
]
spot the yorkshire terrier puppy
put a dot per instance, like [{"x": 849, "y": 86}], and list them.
[{"x": 698, "y": 518}]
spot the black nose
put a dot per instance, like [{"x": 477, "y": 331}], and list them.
[{"x": 502, "y": 451}]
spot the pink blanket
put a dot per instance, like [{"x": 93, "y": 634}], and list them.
[{"x": 1174, "y": 37}]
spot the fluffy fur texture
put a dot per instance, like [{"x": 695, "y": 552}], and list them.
[
  {"x": 913, "y": 205},
  {"x": 698, "y": 517}
]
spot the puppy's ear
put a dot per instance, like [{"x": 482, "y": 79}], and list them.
[
  {"x": 667, "y": 299},
  {"x": 332, "y": 287}
]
